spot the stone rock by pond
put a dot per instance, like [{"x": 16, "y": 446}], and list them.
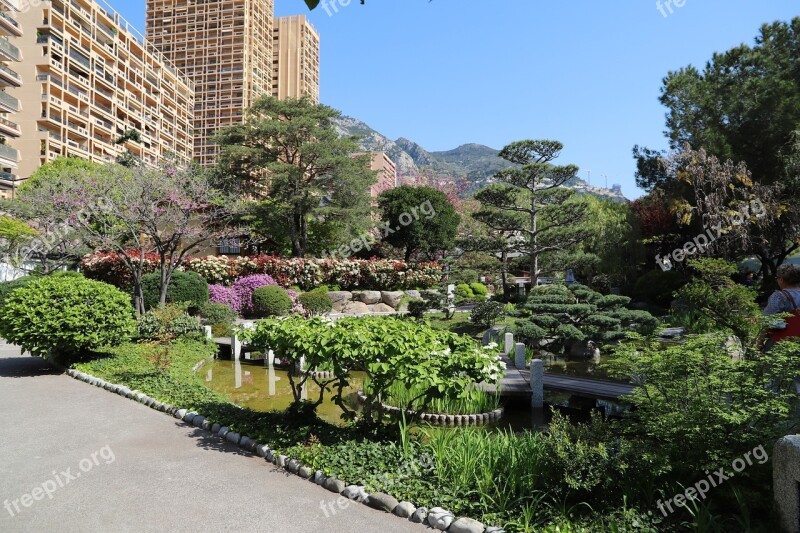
[
  {"x": 367, "y": 297},
  {"x": 392, "y": 298},
  {"x": 354, "y": 308},
  {"x": 381, "y": 308},
  {"x": 340, "y": 297}
]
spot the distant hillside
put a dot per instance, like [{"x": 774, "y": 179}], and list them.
[{"x": 474, "y": 162}]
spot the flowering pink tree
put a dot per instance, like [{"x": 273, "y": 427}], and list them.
[
  {"x": 453, "y": 187},
  {"x": 167, "y": 212}
]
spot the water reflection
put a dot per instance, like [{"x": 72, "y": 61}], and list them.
[{"x": 270, "y": 390}]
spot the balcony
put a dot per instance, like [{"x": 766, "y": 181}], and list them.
[
  {"x": 9, "y": 77},
  {"x": 9, "y": 51},
  {"x": 8, "y": 23},
  {"x": 9, "y": 128},
  {"x": 10, "y": 178},
  {"x": 8, "y": 103},
  {"x": 9, "y": 155}
]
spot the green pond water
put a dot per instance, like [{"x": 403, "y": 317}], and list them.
[{"x": 261, "y": 388}]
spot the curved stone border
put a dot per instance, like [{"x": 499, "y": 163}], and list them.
[
  {"x": 444, "y": 420},
  {"x": 437, "y": 517}
]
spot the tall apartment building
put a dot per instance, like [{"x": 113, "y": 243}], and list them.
[
  {"x": 89, "y": 78},
  {"x": 10, "y": 79},
  {"x": 225, "y": 48},
  {"x": 387, "y": 173},
  {"x": 296, "y": 65}
]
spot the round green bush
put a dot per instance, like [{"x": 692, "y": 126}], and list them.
[
  {"x": 316, "y": 302},
  {"x": 66, "y": 316},
  {"x": 464, "y": 292},
  {"x": 217, "y": 313},
  {"x": 271, "y": 301},
  {"x": 184, "y": 287},
  {"x": 479, "y": 289},
  {"x": 168, "y": 322},
  {"x": 7, "y": 287}
]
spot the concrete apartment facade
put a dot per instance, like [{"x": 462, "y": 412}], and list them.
[
  {"x": 296, "y": 58},
  {"x": 88, "y": 79},
  {"x": 387, "y": 173},
  {"x": 10, "y": 82},
  {"x": 225, "y": 49}
]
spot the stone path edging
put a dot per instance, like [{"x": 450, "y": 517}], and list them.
[
  {"x": 437, "y": 517},
  {"x": 444, "y": 420}
]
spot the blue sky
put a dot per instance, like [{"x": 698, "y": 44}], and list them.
[{"x": 587, "y": 73}]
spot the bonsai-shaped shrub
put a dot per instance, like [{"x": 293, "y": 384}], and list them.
[
  {"x": 167, "y": 323},
  {"x": 66, "y": 315},
  {"x": 479, "y": 290},
  {"x": 184, "y": 287},
  {"x": 486, "y": 314},
  {"x": 465, "y": 276},
  {"x": 271, "y": 301},
  {"x": 417, "y": 307},
  {"x": 316, "y": 302},
  {"x": 557, "y": 316}
]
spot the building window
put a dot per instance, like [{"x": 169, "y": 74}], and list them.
[{"x": 229, "y": 247}]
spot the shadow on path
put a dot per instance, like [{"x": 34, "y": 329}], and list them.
[{"x": 26, "y": 366}]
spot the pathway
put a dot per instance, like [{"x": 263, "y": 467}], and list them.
[{"x": 150, "y": 472}]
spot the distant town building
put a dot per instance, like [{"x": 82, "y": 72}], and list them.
[
  {"x": 295, "y": 48},
  {"x": 10, "y": 79},
  {"x": 387, "y": 173}
]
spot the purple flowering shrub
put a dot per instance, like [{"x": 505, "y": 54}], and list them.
[
  {"x": 244, "y": 288},
  {"x": 225, "y": 295}
]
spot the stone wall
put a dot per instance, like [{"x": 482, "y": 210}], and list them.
[{"x": 371, "y": 302}]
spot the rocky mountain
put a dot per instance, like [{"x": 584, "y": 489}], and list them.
[{"x": 474, "y": 162}]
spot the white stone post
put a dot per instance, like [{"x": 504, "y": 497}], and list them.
[
  {"x": 509, "y": 343},
  {"x": 537, "y": 383},
  {"x": 786, "y": 481},
  {"x": 237, "y": 374},
  {"x": 269, "y": 360},
  {"x": 207, "y": 329},
  {"x": 236, "y": 347},
  {"x": 519, "y": 356}
]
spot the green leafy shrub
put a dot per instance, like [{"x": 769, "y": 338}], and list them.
[
  {"x": 418, "y": 307},
  {"x": 216, "y": 313},
  {"x": 66, "y": 315},
  {"x": 8, "y": 286},
  {"x": 464, "y": 292},
  {"x": 316, "y": 302},
  {"x": 167, "y": 323},
  {"x": 479, "y": 290},
  {"x": 466, "y": 275},
  {"x": 183, "y": 287},
  {"x": 271, "y": 301},
  {"x": 486, "y": 314}
]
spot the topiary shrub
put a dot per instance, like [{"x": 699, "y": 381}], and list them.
[
  {"x": 465, "y": 276},
  {"x": 184, "y": 287},
  {"x": 486, "y": 314},
  {"x": 215, "y": 313},
  {"x": 66, "y": 316},
  {"x": 167, "y": 323},
  {"x": 418, "y": 307},
  {"x": 479, "y": 290},
  {"x": 315, "y": 302},
  {"x": 271, "y": 301}
]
